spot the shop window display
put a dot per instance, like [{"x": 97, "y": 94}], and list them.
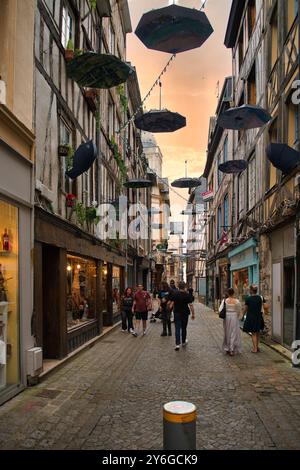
[
  {"x": 116, "y": 289},
  {"x": 9, "y": 309},
  {"x": 241, "y": 283},
  {"x": 81, "y": 291}
]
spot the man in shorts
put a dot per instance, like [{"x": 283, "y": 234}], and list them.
[{"x": 141, "y": 306}]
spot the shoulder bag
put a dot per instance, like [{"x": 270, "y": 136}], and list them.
[{"x": 222, "y": 310}]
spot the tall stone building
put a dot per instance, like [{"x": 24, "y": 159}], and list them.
[
  {"x": 16, "y": 192},
  {"x": 264, "y": 38}
]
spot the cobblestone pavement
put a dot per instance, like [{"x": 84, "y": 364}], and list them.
[{"x": 111, "y": 396}]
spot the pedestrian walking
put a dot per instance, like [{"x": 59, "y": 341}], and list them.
[
  {"x": 182, "y": 303},
  {"x": 126, "y": 310},
  {"x": 254, "y": 323},
  {"x": 232, "y": 343},
  {"x": 142, "y": 304},
  {"x": 164, "y": 308}
]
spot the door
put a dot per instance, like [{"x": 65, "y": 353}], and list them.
[
  {"x": 288, "y": 301},
  {"x": 276, "y": 302}
]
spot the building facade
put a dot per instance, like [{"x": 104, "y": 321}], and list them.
[
  {"x": 219, "y": 220},
  {"x": 17, "y": 143},
  {"x": 160, "y": 208},
  {"x": 264, "y": 38},
  {"x": 196, "y": 242},
  {"x": 81, "y": 268}
]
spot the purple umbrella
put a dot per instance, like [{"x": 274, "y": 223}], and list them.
[
  {"x": 174, "y": 29},
  {"x": 244, "y": 117}
]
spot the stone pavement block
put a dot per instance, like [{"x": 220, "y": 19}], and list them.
[{"x": 115, "y": 391}]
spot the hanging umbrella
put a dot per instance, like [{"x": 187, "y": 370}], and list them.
[
  {"x": 83, "y": 159},
  {"x": 174, "y": 29},
  {"x": 138, "y": 183},
  {"x": 244, "y": 117},
  {"x": 233, "y": 166},
  {"x": 98, "y": 70},
  {"x": 186, "y": 183},
  {"x": 160, "y": 120},
  {"x": 283, "y": 157}
]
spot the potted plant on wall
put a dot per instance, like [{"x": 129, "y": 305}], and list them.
[
  {"x": 91, "y": 95},
  {"x": 91, "y": 217},
  {"x": 69, "y": 51}
]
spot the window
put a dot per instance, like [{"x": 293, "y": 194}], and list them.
[
  {"x": 252, "y": 86},
  {"x": 116, "y": 285},
  {"x": 67, "y": 25},
  {"x": 9, "y": 295},
  {"x": 225, "y": 150},
  {"x": 251, "y": 16},
  {"x": 252, "y": 183},
  {"x": 219, "y": 223},
  {"x": 111, "y": 118},
  {"x": 218, "y": 171},
  {"x": 241, "y": 49},
  {"x": 65, "y": 139},
  {"x": 274, "y": 36},
  {"x": 226, "y": 213},
  {"x": 293, "y": 123},
  {"x": 241, "y": 189},
  {"x": 81, "y": 291}
]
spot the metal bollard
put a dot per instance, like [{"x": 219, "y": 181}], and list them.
[{"x": 179, "y": 425}]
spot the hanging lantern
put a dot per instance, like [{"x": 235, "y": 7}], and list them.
[
  {"x": 233, "y": 166},
  {"x": 160, "y": 121},
  {"x": 83, "y": 159},
  {"x": 138, "y": 183},
  {"x": 283, "y": 157},
  {"x": 186, "y": 183},
  {"x": 174, "y": 29},
  {"x": 244, "y": 117},
  {"x": 98, "y": 70}
]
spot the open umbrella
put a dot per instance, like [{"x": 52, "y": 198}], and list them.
[
  {"x": 283, "y": 157},
  {"x": 174, "y": 29},
  {"x": 233, "y": 166},
  {"x": 98, "y": 70},
  {"x": 160, "y": 120},
  {"x": 138, "y": 183},
  {"x": 186, "y": 183},
  {"x": 83, "y": 159},
  {"x": 244, "y": 117}
]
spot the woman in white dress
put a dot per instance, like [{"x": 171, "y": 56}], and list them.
[{"x": 232, "y": 334}]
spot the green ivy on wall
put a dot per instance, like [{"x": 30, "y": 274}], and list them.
[{"x": 118, "y": 158}]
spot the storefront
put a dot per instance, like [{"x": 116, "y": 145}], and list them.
[
  {"x": 244, "y": 268},
  {"x": 15, "y": 271},
  {"x": 210, "y": 286},
  {"x": 224, "y": 276},
  {"x": 77, "y": 285},
  {"x": 283, "y": 301}
]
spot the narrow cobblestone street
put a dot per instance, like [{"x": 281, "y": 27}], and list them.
[{"x": 110, "y": 397}]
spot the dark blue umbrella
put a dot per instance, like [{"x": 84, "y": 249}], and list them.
[
  {"x": 138, "y": 183},
  {"x": 186, "y": 183},
  {"x": 283, "y": 157},
  {"x": 233, "y": 166},
  {"x": 174, "y": 29},
  {"x": 244, "y": 117},
  {"x": 160, "y": 120},
  {"x": 83, "y": 159},
  {"x": 98, "y": 70}
]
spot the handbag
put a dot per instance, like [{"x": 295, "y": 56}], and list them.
[
  {"x": 262, "y": 321},
  {"x": 222, "y": 311}
]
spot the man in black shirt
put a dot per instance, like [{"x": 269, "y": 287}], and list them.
[{"x": 182, "y": 303}]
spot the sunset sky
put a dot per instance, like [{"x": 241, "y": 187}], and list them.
[{"x": 189, "y": 86}]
